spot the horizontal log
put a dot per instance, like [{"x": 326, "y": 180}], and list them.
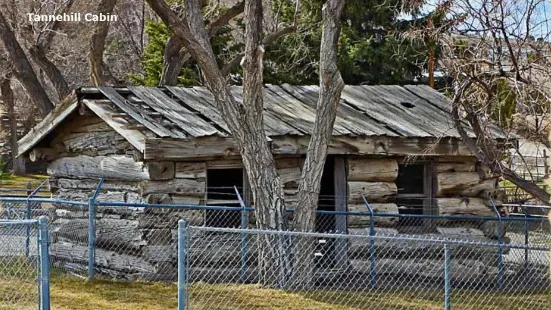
[
  {"x": 105, "y": 196},
  {"x": 484, "y": 188},
  {"x": 373, "y": 191},
  {"x": 453, "y": 183},
  {"x": 43, "y": 154},
  {"x": 376, "y": 145},
  {"x": 76, "y": 253},
  {"x": 290, "y": 177},
  {"x": 158, "y": 199},
  {"x": 455, "y": 167},
  {"x": 355, "y": 221},
  {"x": 191, "y": 170},
  {"x": 161, "y": 253},
  {"x": 372, "y": 170},
  {"x": 177, "y": 186},
  {"x": 111, "y": 234},
  {"x": 463, "y": 206},
  {"x": 464, "y": 270},
  {"x": 110, "y": 167},
  {"x": 167, "y": 149},
  {"x": 92, "y": 184},
  {"x": 187, "y": 200},
  {"x": 160, "y": 170},
  {"x": 156, "y": 218},
  {"x": 292, "y": 162},
  {"x": 411, "y": 250},
  {"x": 95, "y": 143},
  {"x": 160, "y": 149}
]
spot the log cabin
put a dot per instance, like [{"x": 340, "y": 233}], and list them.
[{"x": 395, "y": 144}]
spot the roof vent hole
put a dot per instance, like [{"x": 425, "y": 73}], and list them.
[{"x": 408, "y": 105}]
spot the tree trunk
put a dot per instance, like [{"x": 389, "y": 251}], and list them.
[
  {"x": 331, "y": 85},
  {"x": 174, "y": 59},
  {"x": 244, "y": 119},
  {"x": 54, "y": 75},
  {"x": 97, "y": 43},
  {"x": 23, "y": 70},
  {"x": 7, "y": 98}
]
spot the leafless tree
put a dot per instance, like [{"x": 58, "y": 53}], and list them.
[
  {"x": 8, "y": 102},
  {"x": 498, "y": 56},
  {"x": 245, "y": 119}
]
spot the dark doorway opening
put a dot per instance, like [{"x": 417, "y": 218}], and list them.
[
  {"x": 325, "y": 248},
  {"x": 411, "y": 192},
  {"x": 221, "y": 192},
  {"x": 326, "y": 201}
]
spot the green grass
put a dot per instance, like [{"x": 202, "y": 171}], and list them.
[
  {"x": 16, "y": 181},
  {"x": 73, "y": 293}
]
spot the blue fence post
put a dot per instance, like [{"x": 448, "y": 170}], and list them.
[
  {"x": 182, "y": 265},
  {"x": 244, "y": 225},
  {"x": 28, "y": 215},
  {"x": 447, "y": 286},
  {"x": 372, "y": 258},
  {"x": 28, "y": 233},
  {"x": 526, "y": 237},
  {"x": 500, "y": 246},
  {"x": 43, "y": 241},
  {"x": 92, "y": 231}
]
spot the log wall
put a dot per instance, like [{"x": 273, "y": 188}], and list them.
[
  {"x": 138, "y": 242},
  {"x": 461, "y": 186}
]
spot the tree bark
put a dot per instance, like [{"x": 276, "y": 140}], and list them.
[
  {"x": 23, "y": 70},
  {"x": 8, "y": 99},
  {"x": 55, "y": 76},
  {"x": 97, "y": 43},
  {"x": 331, "y": 85},
  {"x": 244, "y": 119},
  {"x": 39, "y": 49}
]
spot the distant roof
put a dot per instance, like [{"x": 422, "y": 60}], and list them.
[{"x": 190, "y": 112}]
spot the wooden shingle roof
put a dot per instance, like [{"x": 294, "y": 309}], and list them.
[{"x": 139, "y": 113}]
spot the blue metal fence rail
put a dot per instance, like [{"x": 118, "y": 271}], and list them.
[
  {"x": 447, "y": 244},
  {"x": 43, "y": 256}
]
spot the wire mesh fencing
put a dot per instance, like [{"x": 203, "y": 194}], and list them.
[
  {"x": 250, "y": 269},
  {"x": 24, "y": 264}
]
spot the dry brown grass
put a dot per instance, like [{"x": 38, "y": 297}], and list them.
[{"x": 73, "y": 293}]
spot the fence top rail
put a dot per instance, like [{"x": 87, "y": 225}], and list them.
[
  {"x": 18, "y": 222},
  {"x": 428, "y": 216},
  {"x": 404, "y": 238},
  {"x": 193, "y": 207},
  {"x": 45, "y": 200},
  {"x": 528, "y": 218},
  {"x": 526, "y": 206}
]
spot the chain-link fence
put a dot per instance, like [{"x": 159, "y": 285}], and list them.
[
  {"x": 254, "y": 269},
  {"x": 24, "y": 264}
]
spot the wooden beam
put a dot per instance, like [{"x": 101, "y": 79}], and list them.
[
  {"x": 172, "y": 149},
  {"x": 60, "y": 112},
  {"x": 167, "y": 149}
]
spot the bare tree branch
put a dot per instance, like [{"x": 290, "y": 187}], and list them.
[
  {"x": 176, "y": 56},
  {"x": 271, "y": 38}
]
